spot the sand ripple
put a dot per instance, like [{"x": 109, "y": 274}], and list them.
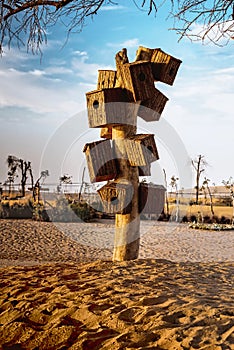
[
  {"x": 145, "y": 304},
  {"x": 66, "y": 293}
]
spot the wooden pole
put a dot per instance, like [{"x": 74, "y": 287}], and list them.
[{"x": 127, "y": 226}]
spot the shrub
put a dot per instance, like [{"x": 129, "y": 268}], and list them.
[
  {"x": 16, "y": 210},
  {"x": 39, "y": 212},
  {"x": 65, "y": 210},
  {"x": 193, "y": 218},
  {"x": 83, "y": 211},
  {"x": 216, "y": 219},
  {"x": 184, "y": 218},
  {"x": 226, "y": 201},
  {"x": 207, "y": 219},
  {"x": 223, "y": 219}
]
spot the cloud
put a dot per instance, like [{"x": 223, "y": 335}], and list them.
[
  {"x": 38, "y": 93},
  {"x": 112, "y": 8},
  {"x": 88, "y": 72},
  {"x": 17, "y": 114},
  {"x": 83, "y": 54},
  {"x": 58, "y": 88},
  {"x": 216, "y": 33},
  {"x": 37, "y": 72},
  {"x": 14, "y": 55},
  {"x": 130, "y": 43},
  {"x": 52, "y": 70}
]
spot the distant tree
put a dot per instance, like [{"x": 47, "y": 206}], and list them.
[
  {"x": 37, "y": 187},
  {"x": 199, "y": 164},
  {"x": 27, "y": 21},
  {"x": 65, "y": 179},
  {"x": 205, "y": 185},
  {"x": 24, "y": 167},
  {"x": 12, "y": 163},
  {"x": 174, "y": 186},
  {"x": 229, "y": 184}
]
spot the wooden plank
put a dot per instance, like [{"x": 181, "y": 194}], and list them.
[
  {"x": 151, "y": 109},
  {"x": 151, "y": 198},
  {"x": 138, "y": 80},
  {"x": 164, "y": 66},
  {"x": 106, "y": 79},
  {"x": 141, "y": 149},
  {"x": 116, "y": 197},
  {"x": 100, "y": 161},
  {"x": 107, "y": 107}
]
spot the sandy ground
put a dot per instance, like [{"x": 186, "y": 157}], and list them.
[{"x": 60, "y": 290}]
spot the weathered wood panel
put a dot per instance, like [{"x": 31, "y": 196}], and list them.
[
  {"x": 144, "y": 54},
  {"x": 138, "y": 80},
  {"x": 100, "y": 161},
  {"x": 151, "y": 109},
  {"x": 141, "y": 149},
  {"x": 116, "y": 197},
  {"x": 109, "y": 107},
  {"x": 151, "y": 198},
  {"x": 106, "y": 79},
  {"x": 164, "y": 66}
]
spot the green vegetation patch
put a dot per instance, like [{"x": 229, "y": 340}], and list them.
[{"x": 212, "y": 227}]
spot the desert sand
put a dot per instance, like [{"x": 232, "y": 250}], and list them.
[{"x": 60, "y": 289}]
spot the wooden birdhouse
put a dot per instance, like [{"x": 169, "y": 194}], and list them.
[
  {"x": 106, "y": 107},
  {"x": 137, "y": 79},
  {"x": 151, "y": 109},
  {"x": 106, "y": 79},
  {"x": 116, "y": 197},
  {"x": 151, "y": 198},
  {"x": 164, "y": 66},
  {"x": 141, "y": 149},
  {"x": 100, "y": 160}
]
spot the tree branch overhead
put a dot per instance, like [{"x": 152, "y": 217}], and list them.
[{"x": 33, "y": 17}]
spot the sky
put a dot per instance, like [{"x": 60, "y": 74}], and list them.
[{"x": 43, "y": 104}]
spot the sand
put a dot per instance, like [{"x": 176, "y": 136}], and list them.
[{"x": 59, "y": 288}]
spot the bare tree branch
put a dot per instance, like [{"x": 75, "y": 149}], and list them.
[
  {"x": 214, "y": 18},
  {"x": 28, "y": 5},
  {"x": 25, "y": 22}
]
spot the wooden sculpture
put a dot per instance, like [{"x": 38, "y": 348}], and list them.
[{"x": 123, "y": 156}]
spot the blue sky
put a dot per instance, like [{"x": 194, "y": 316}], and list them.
[{"x": 42, "y": 100}]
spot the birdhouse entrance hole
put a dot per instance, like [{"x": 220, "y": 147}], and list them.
[
  {"x": 114, "y": 200},
  {"x": 95, "y": 104}
]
